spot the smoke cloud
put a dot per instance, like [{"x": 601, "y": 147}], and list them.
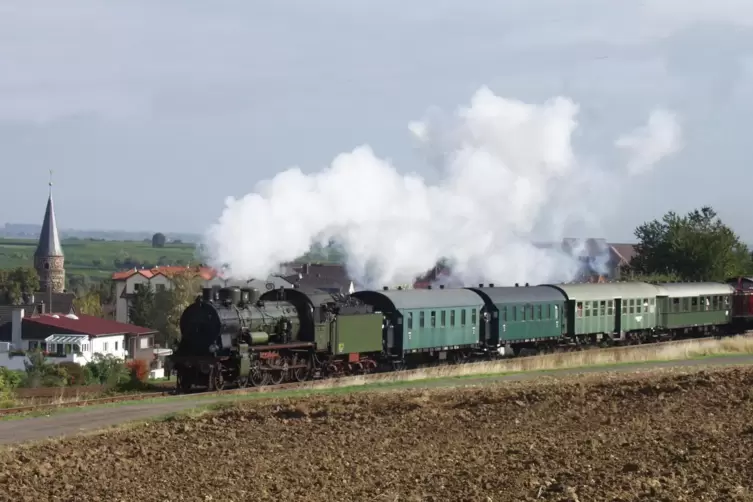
[
  {"x": 505, "y": 168},
  {"x": 649, "y": 144}
]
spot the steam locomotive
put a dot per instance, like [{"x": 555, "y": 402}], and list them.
[{"x": 235, "y": 335}]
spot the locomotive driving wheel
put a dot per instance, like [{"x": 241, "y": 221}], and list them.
[
  {"x": 278, "y": 372},
  {"x": 256, "y": 376},
  {"x": 217, "y": 382},
  {"x": 301, "y": 374}
]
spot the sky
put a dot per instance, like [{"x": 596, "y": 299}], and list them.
[{"x": 151, "y": 113}]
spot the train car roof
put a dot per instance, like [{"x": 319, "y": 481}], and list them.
[
  {"x": 688, "y": 289},
  {"x": 505, "y": 295},
  {"x": 607, "y": 291},
  {"x": 421, "y": 298}
]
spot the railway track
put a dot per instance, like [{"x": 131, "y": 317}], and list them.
[{"x": 274, "y": 388}]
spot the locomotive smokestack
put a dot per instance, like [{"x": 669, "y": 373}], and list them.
[
  {"x": 491, "y": 284},
  {"x": 206, "y": 294},
  {"x": 385, "y": 288},
  {"x": 441, "y": 286}
]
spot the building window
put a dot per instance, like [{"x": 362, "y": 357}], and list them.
[
  {"x": 116, "y": 346},
  {"x": 160, "y": 288},
  {"x": 104, "y": 346}
]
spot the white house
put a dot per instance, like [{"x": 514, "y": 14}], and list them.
[
  {"x": 129, "y": 281},
  {"x": 74, "y": 338}
]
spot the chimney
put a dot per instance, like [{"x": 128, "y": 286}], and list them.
[
  {"x": 18, "y": 316},
  {"x": 385, "y": 288},
  {"x": 517, "y": 285},
  {"x": 441, "y": 286},
  {"x": 481, "y": 285},
  {"x": 491, "y": 285},
  {"x": 305, "y": 268},
  {"x": 428, "y": 287}
]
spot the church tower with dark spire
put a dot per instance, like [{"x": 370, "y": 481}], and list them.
[{"x": 48, "y": 258}]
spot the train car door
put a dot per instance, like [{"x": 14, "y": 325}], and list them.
[{"x": 618, "y": 315}]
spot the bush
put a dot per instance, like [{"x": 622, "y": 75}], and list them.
[
  {"x": 12, "y": 379},
  {"x": 7, "y": 399},
  {"x": 107, "y": 370},
  {"x": 139, "y": 370},
  {"x": 75, "y": 373}
]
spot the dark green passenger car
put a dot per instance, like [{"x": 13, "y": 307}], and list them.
[
  {"x": 522, "y": 315},
  {"x": 427, "y": 319},
  {"x": 609, "y": 307},
  {"x": 684, "y": 305}
]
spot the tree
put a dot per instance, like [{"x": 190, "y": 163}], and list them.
[
  {"x": 89, "y": 303},
  {"x": 158, "y": 240},
  {"x": 170, "y": 304},
  {"x": 694, "y": 247},
  {"x": 142, "y": 309},
  {"x": 17, "y": 282}
]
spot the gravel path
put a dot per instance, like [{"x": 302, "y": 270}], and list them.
[{"x": 94, "y": 418}]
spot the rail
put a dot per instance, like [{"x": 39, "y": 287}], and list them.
[{"x": 267, "y": 388}]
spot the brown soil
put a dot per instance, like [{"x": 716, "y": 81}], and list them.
[{"x": 662, "y": 437}]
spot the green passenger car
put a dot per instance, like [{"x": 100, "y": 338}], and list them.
[
  {"x": 522, "y": 315},
  {"x": 427, "y": 319},
  {"x": 609, "y": 307},
  {"x": 683, "y": 305}
]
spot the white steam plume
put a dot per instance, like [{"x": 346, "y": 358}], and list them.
[
  {"x": 651, "y": 143},
  {"x": 506, "y": 167}
]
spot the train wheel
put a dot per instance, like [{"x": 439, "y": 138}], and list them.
[
  {"x": 218, "y": 382},
  {"x": 302, "y": 374},
  {"x": 257, "y": 377},
  {"x": 184, "y": 382}
]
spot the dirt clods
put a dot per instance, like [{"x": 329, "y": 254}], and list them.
[{"x": 658, "y": 437}]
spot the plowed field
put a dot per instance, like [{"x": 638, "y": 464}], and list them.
[{"x": 659, "y": 437}]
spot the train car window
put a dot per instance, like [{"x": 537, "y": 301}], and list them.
[
  {"x": 410, "y": 320},
  {"x": 433, "y": 319},
  {"x": 504, "y": 314},
  {"x": 645, "y": 306},
  {"x": 462, "y": 317},
  {"x": 452, "y": 318},
  {"x": 549, "y": 311},
  {"x": 631, "y": 306},
  {"x": 686, "y": 304},
  {"x": 421, "y": 319},
  {"x": 694, "y": 304},
  {"x": 675, "y": 304},
  {"x": 580, "y": 309},
  {"x": 726, "y": 301},
  {"x": 523, "y": 313},
  {"x": 610, "y": 307},
  {"x": 715, "y": 302},
  {"x": 473, "y": 316},
  {"x": 442, "y": 319},
  {"x": 556, "y": 312},
  {"x": 530, "y": 312},
  {"x": 538, "y": 312},
  {"x": 602, "y": 308}
]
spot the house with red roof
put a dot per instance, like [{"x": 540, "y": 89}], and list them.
[
  {"x": 76, "y": 337},
  {"x": 128, "y": 282}
]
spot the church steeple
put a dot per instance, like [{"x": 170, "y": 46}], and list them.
[{"x": 48, "y": 258}]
